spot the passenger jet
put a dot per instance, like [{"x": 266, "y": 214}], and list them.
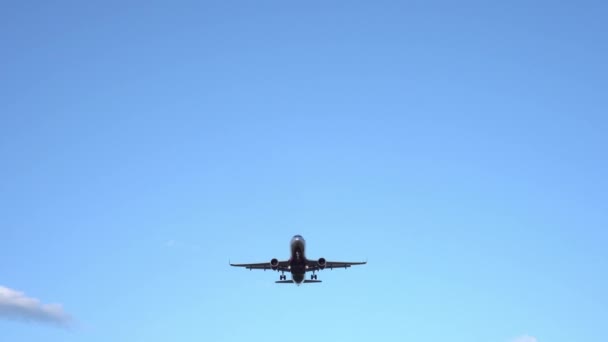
[{"x": 298, "y": 264}]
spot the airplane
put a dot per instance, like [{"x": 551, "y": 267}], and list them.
[{"x": 298, "y": 264}]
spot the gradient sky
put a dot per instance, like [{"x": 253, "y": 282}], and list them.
[{"x": 461, "y": 147}]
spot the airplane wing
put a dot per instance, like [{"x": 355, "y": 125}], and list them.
[
  {"x": 312, "y": 265},
  {"x": 283, "y": 266}
]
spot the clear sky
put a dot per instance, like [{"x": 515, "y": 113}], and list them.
[{"x": 461, "y": 147}]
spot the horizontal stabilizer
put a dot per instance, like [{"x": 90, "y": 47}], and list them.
[{"x": 291, "y": 281}]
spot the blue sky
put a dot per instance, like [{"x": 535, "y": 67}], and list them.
[{"x": 459, "y": 147}]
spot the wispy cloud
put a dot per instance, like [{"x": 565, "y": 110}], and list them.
[
  {"x": 525, "y": 338},
  {"x": 16, "y": 305}
]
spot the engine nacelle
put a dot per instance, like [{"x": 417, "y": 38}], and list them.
[
  {"x": 274, "y": 264},
  {"x": 321, "y": 262}
]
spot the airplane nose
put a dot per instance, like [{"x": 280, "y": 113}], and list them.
[{"x": 297, "y": 239}]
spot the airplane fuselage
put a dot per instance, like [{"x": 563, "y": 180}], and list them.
[{"x": 297, "y": 261}]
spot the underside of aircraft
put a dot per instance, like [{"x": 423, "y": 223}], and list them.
[{"x": 298, "y": 265}]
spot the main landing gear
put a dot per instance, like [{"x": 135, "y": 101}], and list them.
[
  {"x": 283, "y": 277},
  {"x": 313, "y": 277}
]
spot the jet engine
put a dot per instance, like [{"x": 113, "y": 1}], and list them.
[
  {"x": 274, "y": 264},
  {"x": 321, "y": 262}
]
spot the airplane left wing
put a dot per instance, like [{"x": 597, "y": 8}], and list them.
[
  {"x": 313, "y": 265},
  {"x": 282, "y": 266}
]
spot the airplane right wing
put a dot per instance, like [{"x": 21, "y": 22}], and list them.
[{"x": 282, "y": 266}]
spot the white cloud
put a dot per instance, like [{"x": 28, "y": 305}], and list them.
[
  {"x": 525, "y": 338},
  {"x": 16, "y": 305}
]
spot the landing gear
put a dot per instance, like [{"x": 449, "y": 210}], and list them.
[
  {"x": 283, "y": 277},
  {"x": 313, "y": 277}
]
